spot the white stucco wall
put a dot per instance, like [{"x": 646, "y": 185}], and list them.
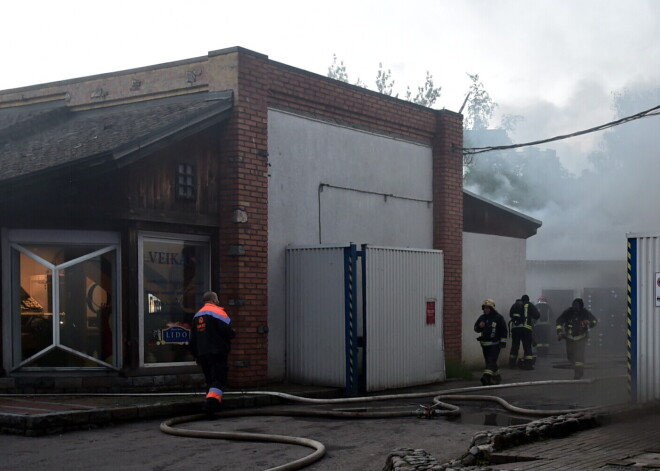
[
  {"x": 330, "y": 184},
  {"x": 493, "y": 267}
]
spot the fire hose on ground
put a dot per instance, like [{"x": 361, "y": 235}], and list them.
[{"x": 439, "y": 408}]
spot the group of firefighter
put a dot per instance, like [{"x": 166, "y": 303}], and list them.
[{"x": 530, "y": 325}]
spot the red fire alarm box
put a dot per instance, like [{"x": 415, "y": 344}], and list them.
[{"x": 430, "y": 311}]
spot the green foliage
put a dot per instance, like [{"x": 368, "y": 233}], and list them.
[
  {"x": 427, "y": 94},
  {"x": 384, "y": 82},
  {"x": 337, "y": 71},
  {"x": 480, "y": 106},
  {"x": 527, "y": 179}
]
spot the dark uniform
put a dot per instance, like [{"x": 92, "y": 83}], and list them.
[
  {"x": 210, "y": 344},
  {"x": 492, "y": 327},
  {"x": 523, "y": 315},
  {"x": 542, "y": 329},
  {"x": 573, "y": 325}
]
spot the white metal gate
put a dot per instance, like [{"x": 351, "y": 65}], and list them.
[
  {"x": 644, "y": 317},
  {"x": 403, "y": 317},
  {"x": 372, "y": 325}
]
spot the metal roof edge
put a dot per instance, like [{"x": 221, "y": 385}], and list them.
[{"x": 504, "y": 208}]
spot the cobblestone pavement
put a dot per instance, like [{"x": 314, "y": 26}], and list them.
[{"x": 628, "y": 443}]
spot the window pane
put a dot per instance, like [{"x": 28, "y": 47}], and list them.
[
  {"x": 175, "y": 278},
  {"x": 36, "y": 312},
  {"x": 58, "y": 254},
  {"x": 86, "y": 306},
  {"x": 58, "y": 358},
  {"x": 68, "y": 307}
]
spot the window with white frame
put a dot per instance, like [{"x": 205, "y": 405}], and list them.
[{"x": 63, "y": 299}]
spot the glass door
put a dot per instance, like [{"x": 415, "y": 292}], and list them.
[{"x": 174, "y": 274}]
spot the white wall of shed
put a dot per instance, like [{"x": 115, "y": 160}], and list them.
[
  {"x": 493, "y": 267},
  {"x": 305, "y": 153}
]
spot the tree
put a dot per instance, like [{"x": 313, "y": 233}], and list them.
[
  {"x": 480, "y": 107},
  {"x": 426, "y": 94},
  {"x": 337, "y": 71},
  {"x": 384, "y": 84},
  {"x": 510, "y": 121}
]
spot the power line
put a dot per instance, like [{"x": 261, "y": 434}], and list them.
[{"x": 655, "y": 111}]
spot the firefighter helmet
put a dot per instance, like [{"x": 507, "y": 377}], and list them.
[{"x": 488, "y": 302}]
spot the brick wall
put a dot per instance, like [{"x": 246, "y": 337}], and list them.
[
  {"x": 244, "y": 245},
  {"x": 262, "y": 84},
  {"x": 448, "y": 221}
]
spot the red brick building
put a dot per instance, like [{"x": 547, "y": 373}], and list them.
[{"x": 140, "y": 189}]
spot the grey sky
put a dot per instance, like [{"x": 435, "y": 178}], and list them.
[{"x": 555, "y": 62}]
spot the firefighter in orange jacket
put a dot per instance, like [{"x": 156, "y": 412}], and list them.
[
  {"x": 210, "y": 342},
  {"x": 573, "y": 325},
  {"x": 492, "y": 327}
]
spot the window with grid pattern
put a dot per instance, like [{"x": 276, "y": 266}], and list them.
[{"x": 185, "y": 181}]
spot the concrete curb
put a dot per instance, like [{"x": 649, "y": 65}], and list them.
[{"x": 55, "y": 422}]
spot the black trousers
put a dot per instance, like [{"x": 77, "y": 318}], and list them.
[
  {"x": 521, "y": 335},
  {"x": 575, "y": 351},
  {"x": 491, "y": 353},
  {"x": 215, "y": 369}
]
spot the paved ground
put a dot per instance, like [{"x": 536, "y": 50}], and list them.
[
  {"x": 124, "y": 430},
  {"x": 630, "y": 443}
]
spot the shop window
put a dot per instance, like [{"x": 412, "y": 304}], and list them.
[
  {"x": 185, "y": 182},
  {"x": 174, "y": 274},
  {"x": 63, "y": 303}
]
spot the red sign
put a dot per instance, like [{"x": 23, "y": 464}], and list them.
[{"x": 430, "y": 312}]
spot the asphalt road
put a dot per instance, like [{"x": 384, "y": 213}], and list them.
[
  {"x": 353, "y": 444},
  {"x": 356, "y": 444}
]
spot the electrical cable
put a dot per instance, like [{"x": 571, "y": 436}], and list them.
[{"x": 655, "y": 111}]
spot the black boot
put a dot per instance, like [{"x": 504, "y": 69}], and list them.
[
  {"x": 211, "y": 406},
  {"x": 526, "y": 364},
  {"x": 579, "y": 372},
  {"x": 496, "y": 379},
  {"x": 486, "y": 379}
]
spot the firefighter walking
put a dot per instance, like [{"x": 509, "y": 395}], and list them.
[
  {"x": 523, "y": 314},
  {"x": 493, "y": 333},
  {"x": 542, "y": 330},
  {"x": 573, "y": 326},
  {"x": 210, "y": 342}
]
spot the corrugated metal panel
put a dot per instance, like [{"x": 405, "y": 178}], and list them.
[
  {"x": 402, "y": 349},
  {"x": 315, "y": 316},
  {"x": 644, "y": 316}
]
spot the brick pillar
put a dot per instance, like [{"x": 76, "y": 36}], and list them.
[
  {"x": 243, "y": 237},
  {"x": 448, "y": 221}
]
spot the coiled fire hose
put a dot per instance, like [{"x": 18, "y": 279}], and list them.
[{"x": 439, "y": 407}]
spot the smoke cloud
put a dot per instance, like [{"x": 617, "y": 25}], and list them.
[{"x": 587, "y": 201}]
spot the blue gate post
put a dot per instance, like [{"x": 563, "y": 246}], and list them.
[
  {"x": 350, "y": 319},
  {"x": 631, "y": 318}
]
